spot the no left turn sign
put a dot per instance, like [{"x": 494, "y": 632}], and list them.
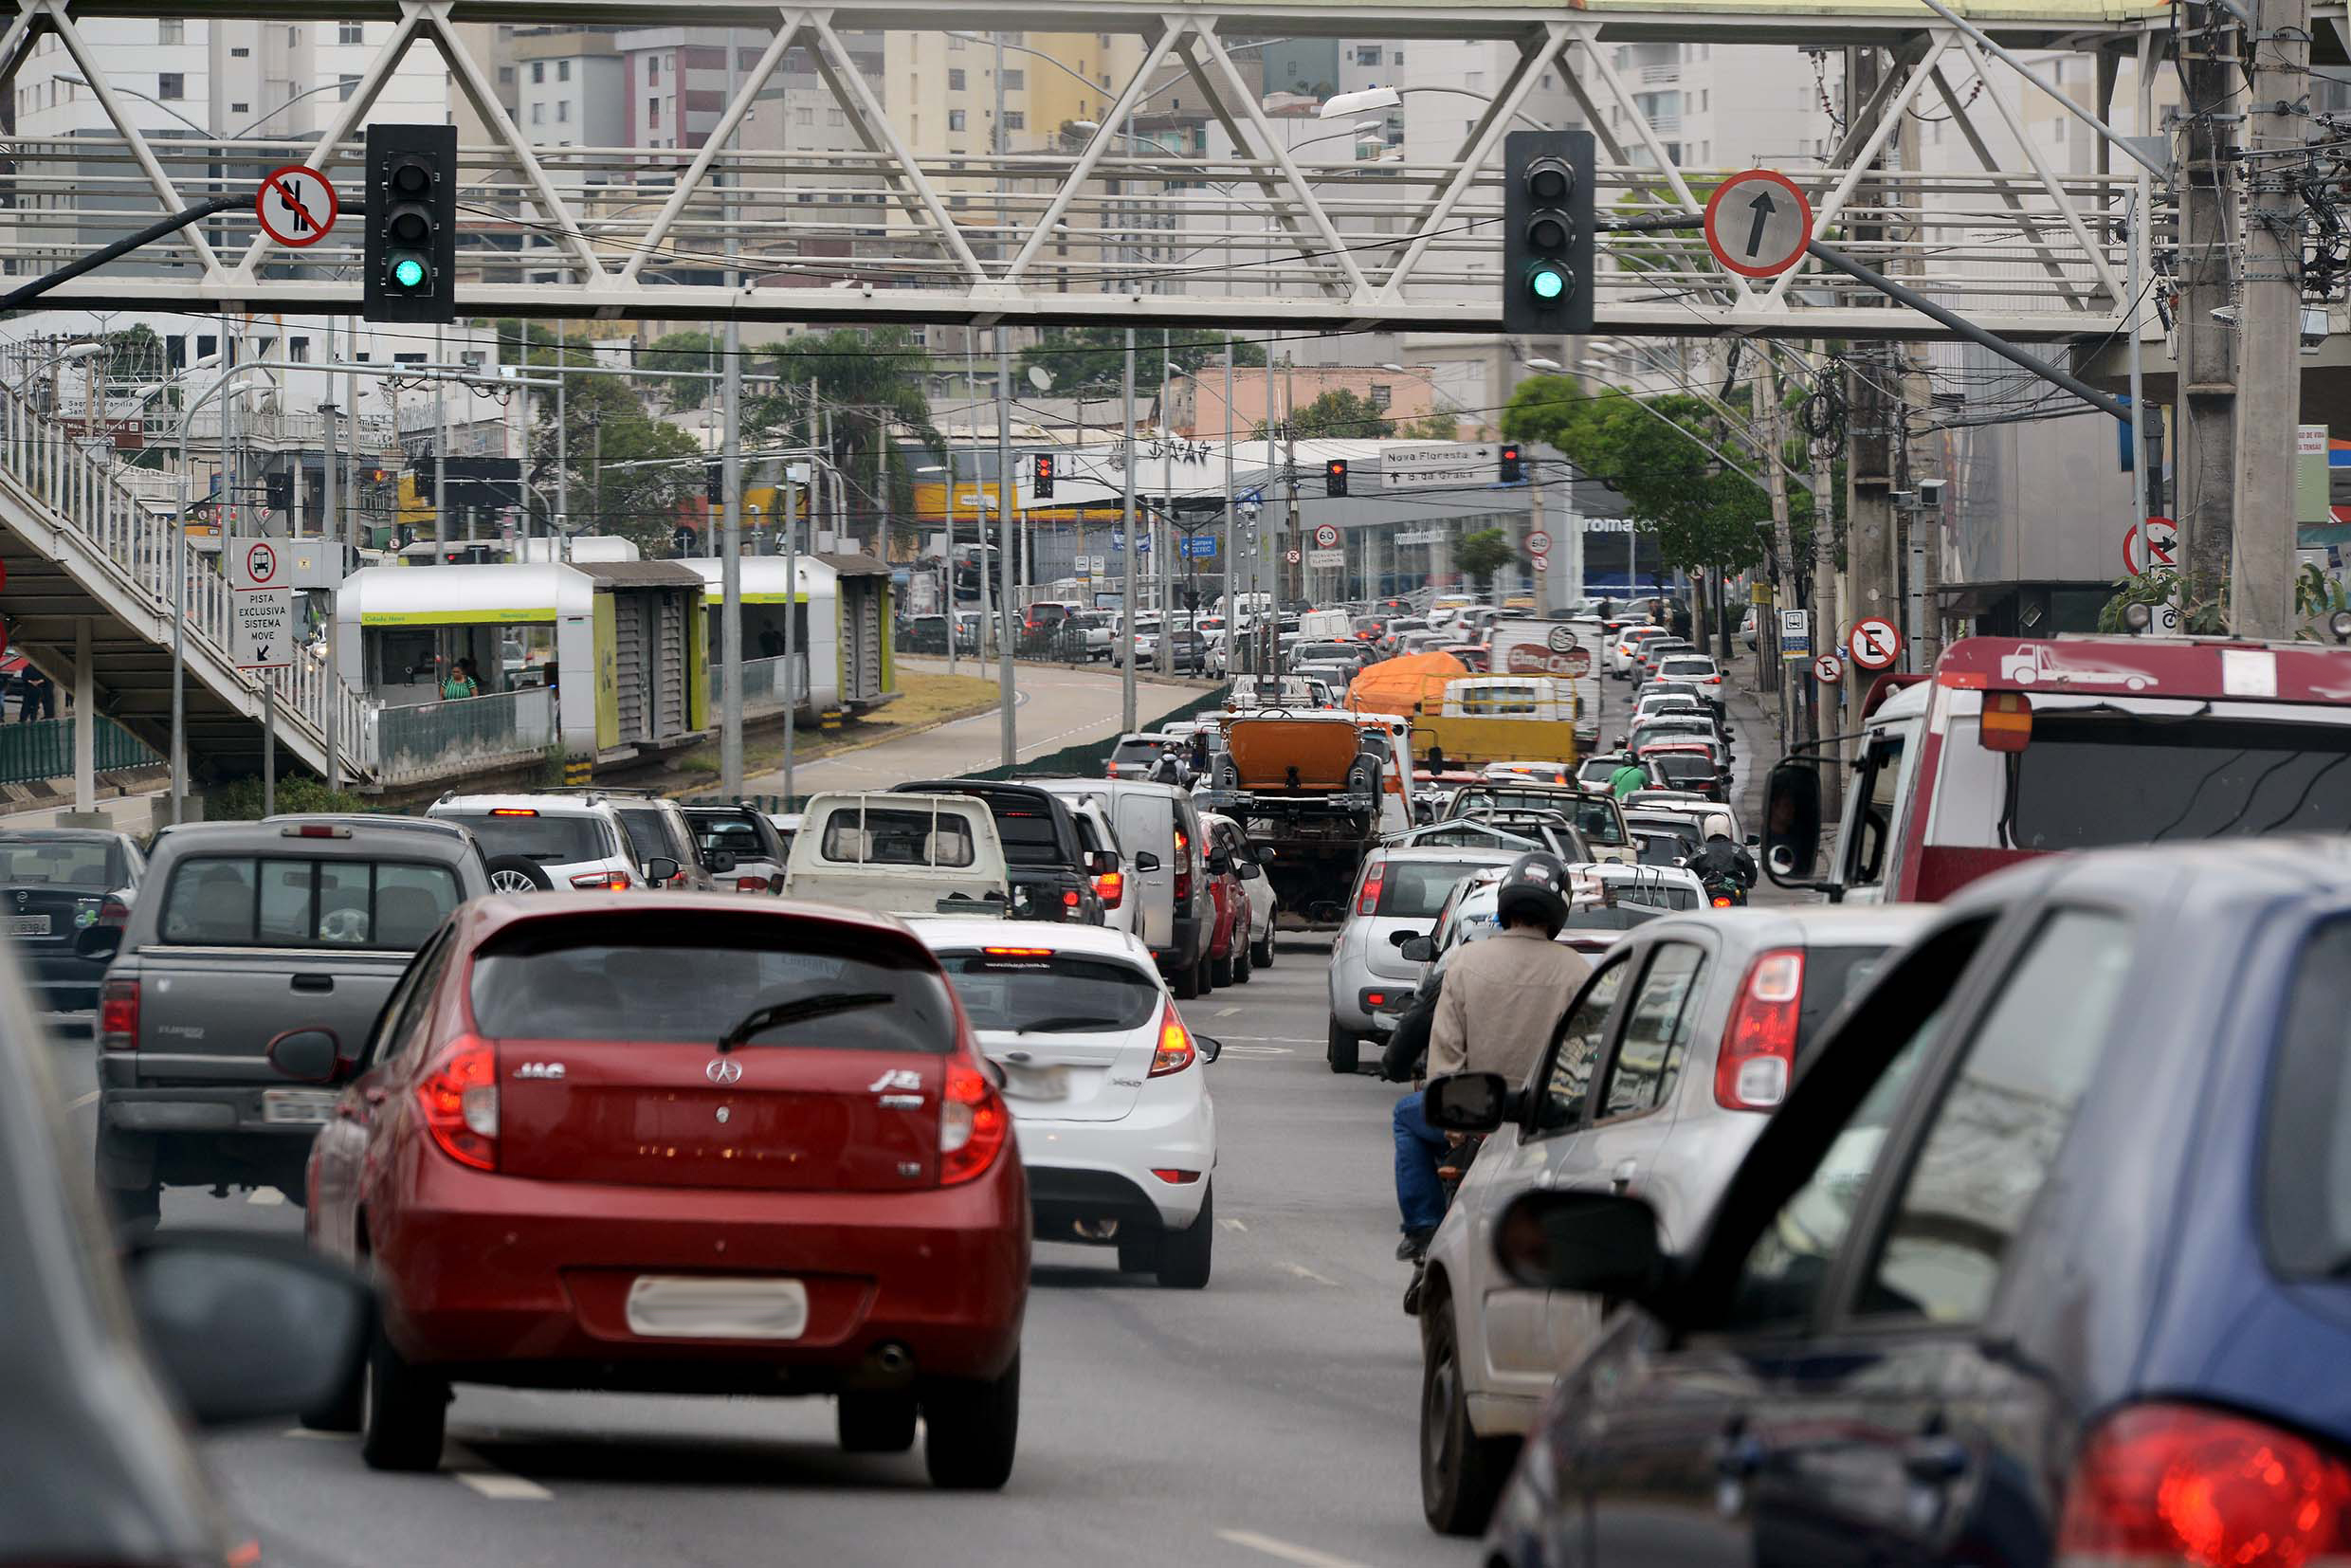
[
  {"x": 296, "y": 206},
  {"x": 1757, "y": 224},
  {"x": 1874, "y": 643}
]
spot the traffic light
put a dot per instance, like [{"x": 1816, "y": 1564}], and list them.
[
  {"x": 1335, "y": 477},
  {"x": 278, "y": 489},
  {"x": 1044, "y": 476},
  {"x": 714, "y": 482},
  {"x": 1512, "y": 469},
  {"x": 1547, "y": 229},
  {"x": 411, "y": 267}
]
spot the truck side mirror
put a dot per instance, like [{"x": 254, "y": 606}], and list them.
[{"x": 1792, "y": 822}]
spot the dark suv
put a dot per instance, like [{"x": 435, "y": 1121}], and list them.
[{"x": 1052, "y": 873}]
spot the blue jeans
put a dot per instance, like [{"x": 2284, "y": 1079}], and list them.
[{"x": 1420, "y": 1196}]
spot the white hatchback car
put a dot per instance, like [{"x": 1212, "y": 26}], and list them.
[
  {"x": 1108, "y": 1089},
  {"x": 562, "y": 842}
]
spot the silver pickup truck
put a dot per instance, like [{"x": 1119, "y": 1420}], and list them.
[{"x": 245, "y": 933}]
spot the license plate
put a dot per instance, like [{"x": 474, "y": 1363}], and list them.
[
  {"x": 668, "y": 1306},
  {"x": 25, "y": 925},
  {"x": 301, "y": 1105},
  {"x": 1036, "y": 1082}
]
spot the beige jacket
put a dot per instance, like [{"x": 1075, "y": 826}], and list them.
[{"x": 1502, "y": 999}]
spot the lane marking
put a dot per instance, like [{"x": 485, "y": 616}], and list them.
[
  {"x": 1233, "y": 1225},
  {"x": 1306, "y": 1273},
  {"x": 1258, "y": 1050},
  {"x": 265, "y": 1198},
  {"x": 309, "y": 1436},
  {"x": 501, "y": 1487},
  {"x": 79, "y": 1100},
  {"x": 1286, "y": 1551},
  {"x": 1228, "y": 1013},
  {"x": 1270, "y": 1039}
]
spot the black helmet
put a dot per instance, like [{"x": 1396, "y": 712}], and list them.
[{"x": 1534, "y": 889}]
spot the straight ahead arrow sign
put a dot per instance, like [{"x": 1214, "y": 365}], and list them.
[{"x": 1763, "y": 207}]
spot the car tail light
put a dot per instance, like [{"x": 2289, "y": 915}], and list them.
[
  {"x": 1071, "y": 898},
  {"x": 1759, "y": 1045},
  {"x": 2007, "y": 724},
  {"x": 112, "y": 914},
  {"x": 1183, "y": 867},
  {"x": 1368, "y": 901},
  {"x": 118, "y": 1015},
  {"x": 2176, "y": 1484},
  {"x": 312, "y": 829},
  {"x": 1175, "y": 1053},
  {"x": 459, "y": 1101},
  {"x": 1175, "y": 1177},
  {"x": 1111, "y": 885},
  {"x": 615, "y": 881},
  {"x": 1722, "y": 901},
  {"x": 751, "y": 884},
  {"x": 971, "y": 1123},
  {"x": 514, "y": 810}
]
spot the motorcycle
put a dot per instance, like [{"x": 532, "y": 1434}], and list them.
[
  {"x": 1449, "y": 1176},
  {"x": 1726, "y": 892}
]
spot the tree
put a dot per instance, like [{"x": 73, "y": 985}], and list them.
[
  {"x": 606, "y": 425},
  {"x": 1435, "y": 427},
  {"x": 1483, "y": 554},
  {"x": 134, "y": 356},
  {"x": 679, "y": 351},
  {"x": 1096, "y": 356},
  {"x": 870, "y": 379},
  {"x": 1337, "y": 415}
]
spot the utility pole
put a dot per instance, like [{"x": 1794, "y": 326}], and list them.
[
  {"x": 1164, "y": 546},
  {"x": 1289, "y": 465},
  {"x": 1126, "y": 629},
  {"x": 2205, "y": 443},
  {"x": 2261, "y": 581},
  {"x": 1783, "y": 539},
  {"x": 1233, "y": 597},
  {"x": 335, "y": 619},
  {"x": 1007, "y": 725},
  {"x": 731, "y": 562},
  {"x": 1826, "y": 621},
  {"x": 1870, "y": 402}
]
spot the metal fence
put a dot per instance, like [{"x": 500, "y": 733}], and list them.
[
  {"x": 763, "y": 681},
  {"x": 44, "y": 749},
  {"x": 449, "y": 737}
]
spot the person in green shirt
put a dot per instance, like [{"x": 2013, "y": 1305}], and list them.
[
  {"x": 458, "y": 685},
  {"x": 1627, "y": 779}
]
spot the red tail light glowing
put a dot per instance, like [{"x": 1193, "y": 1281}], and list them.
[
  {"x": 1722, "y": 901},
  {"x": 1175, "y": 1052},
  {"x": 616, "y": 882},
  {"x": 459, "y": 1102},
  {"x": 1112, "y": 886},
  {"x": 1368, "y": 901},
  {"x": 972, "y": 1123},
  {"x": 118, "y": 1015},
  {"x": 1759, "y": 1045},
  {"x": 1183, "y": 867},
  {"x": 2174, "y": 1484},
  {"x": 751, "y": 884}
]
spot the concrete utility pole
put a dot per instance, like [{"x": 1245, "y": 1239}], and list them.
[
  {"x": 1009, "y": 726},
  {"x": 731, "y": 566},
  {"x": 2206, "y": 443},
  {"x": 1233, "y": 597},
  {"x": 440, "y": 445},
  {"x": 1126, "y": 629},
  {"x": 2261, "y": 580},
  {"x": 1870, "y": 413},
  {"x": 1289, "y": 463},
  {"x": 1783, "y": 539},
  {"x": 1163, "y": 547}
]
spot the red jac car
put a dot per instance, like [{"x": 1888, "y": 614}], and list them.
[{"x": 682, "y": 1143}]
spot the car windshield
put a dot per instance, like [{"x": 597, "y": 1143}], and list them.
[
  {"x": 1029, "y": 835},
  {"x": 1013, "y": 990},
  {"x": 248, "y": 901},
  {"x": 698, "y": 977},
  {"x": 94, "y": 863},
  {"x": 649, "y": 832},
  {"x": 1680, "y": 767},
  {"x": 551, "y": 840},
  {"x": 1416, "y": 889}
]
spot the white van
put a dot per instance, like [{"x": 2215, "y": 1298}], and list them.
[
  {"x": 1325, "y": 625},
  {"x": 900, "y": 854},
  {"x": 1164, "y": 844}
]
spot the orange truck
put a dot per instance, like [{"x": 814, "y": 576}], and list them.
[{"x": 1318, "y": 788}]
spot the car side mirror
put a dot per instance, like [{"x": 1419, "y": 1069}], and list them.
[
  {"x": 721, "y": 861},
  {"x": 1101, "y": 863},
  {"x": 1792, "y": 815},
  {"x": 306, "y": 1055},
  {"x": 1596, "y": 1243},
  {"x": 1418, "y": 950},
  {"x": 660, "y": 869},
  {"x": 1208, "y": 1050},
  {"x": 247, "y": 1326},
  {"x": 1146, "y": 861},
  {"x": 1466, "y": 1101}
]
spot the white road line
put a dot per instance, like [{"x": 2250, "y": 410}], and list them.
[
  {"x": 1233, "y": 1225},
  {"x": 82, "y": 1100},
  {"x": 1306, "y": 1273},
  {"x": 1286, "y": 1551},
  {"x": 501, "y": 1487},
  {"x": 265, "y": 1198},
  {"x": 1228, "y": 1013},
  {"x": 309, "y": 1436}
]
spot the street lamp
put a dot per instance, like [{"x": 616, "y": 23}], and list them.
[{"x": 1339, "y": 106}]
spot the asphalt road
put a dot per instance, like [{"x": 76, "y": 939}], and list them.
[{"x": 1268, "y": 1418}]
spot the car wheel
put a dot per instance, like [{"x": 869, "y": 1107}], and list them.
[
  {"x": 1184, "y": 1254},
  {"x": 1461, "y": 1473},
  {"x": 1185, "y": 982},
  {"x": 876, "y": 1422},
  {"x": 974, "y": 1426},
  {"x": 1341, "y": 1050},
  {"x": 1220, "y": 971},
  {"x": 1241, "y": 960},
  {"x": 402, "y": 1411},
  {"x": 1139, "y": 1254},
  {"x": 1262, "y": 954},
  {"x": 518, "y": 874}
]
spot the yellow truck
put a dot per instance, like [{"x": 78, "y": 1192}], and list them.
[{"x": 1474, "y": 719}]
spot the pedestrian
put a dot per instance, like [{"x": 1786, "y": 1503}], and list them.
[
  {"x": 454, "y": 686},
  {"x": 36, "y": 697}
]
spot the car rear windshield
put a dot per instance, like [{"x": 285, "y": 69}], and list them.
[
  {"x": 649, "y": 832},
  {"x": 1677, "y": 766},
  {"x": 1047, "y": 615},
  {"x": 549, "y": 839},
  {"x": 1416, "y": 889},
  {"x": 1028, "y": 834},
  {"x": 1033, "y": 991},
  {"x": 90, "y": 863},
  {"x": 697, "y": 978},
  {"x": 247, "y": 901},
  {"x": 1685, "y": 664},
  {"x": 2305, "y": 1160},
  {"x": 886, "y": 836},
  {"x": 1136, "y": 751},
  {"x": 1832, "y": 976},
  {"x": 738, "y": 835}
]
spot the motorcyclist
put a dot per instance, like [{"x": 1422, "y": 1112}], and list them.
[
  {"x": 1630, "y": 775},
  {"x": 1719, "y": 860},
  {"x": 1500, "y": 1001}
]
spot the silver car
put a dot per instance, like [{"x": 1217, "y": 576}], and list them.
[
  {"x": 1634, "y": 1093},
  {"x": 1396, "y": 897}
]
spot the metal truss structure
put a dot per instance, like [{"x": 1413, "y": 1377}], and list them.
[{"x": 1102, "y": 231}]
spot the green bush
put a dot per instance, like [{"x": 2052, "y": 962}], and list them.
[{"x": 240, "y": 800}]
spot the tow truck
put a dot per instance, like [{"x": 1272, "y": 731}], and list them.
[
  {"x": 2010, "y": 748},
  {"x": 1319, "y": 788}
]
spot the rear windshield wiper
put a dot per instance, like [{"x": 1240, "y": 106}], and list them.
[
  {"x": 1043, "y": 1026},
  {"x": 762, "y": 1018}
]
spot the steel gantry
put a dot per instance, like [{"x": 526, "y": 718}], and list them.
[{"x": 1099, "y": 226}]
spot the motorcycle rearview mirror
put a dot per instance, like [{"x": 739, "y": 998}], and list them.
[{"x": 1466, "y": 1101}]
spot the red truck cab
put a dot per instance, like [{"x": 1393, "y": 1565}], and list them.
[{"x": 2012, "y": 747}]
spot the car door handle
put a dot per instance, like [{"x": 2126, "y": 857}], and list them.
[
  {"x": 1934, "y": 1460},
  {"x": 1622, "y": 1176},
  {"x": 314, "y": 982}
]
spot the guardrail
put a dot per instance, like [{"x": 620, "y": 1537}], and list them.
[
  {"x": 763, "y": 680},
  {"x": 428, "y": 739},
  {"x": 44, "y": 749}
]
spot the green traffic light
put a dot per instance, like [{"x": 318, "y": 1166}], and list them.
[
  {"x": 1546, "y": 283},
  {"x": 409, "y": 271}
]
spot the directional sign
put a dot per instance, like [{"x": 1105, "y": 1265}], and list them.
[
  {"x": 1827, "y": 668},
  {"x": 2153, "y": 542},
  {"x": 1757, "y": 224},
  {"x": 1538, "y": 544},
  {"x": 1874, "y": 643},
  {"x": 296, "y": 206},
  {"x": 1325, "y": 536},
  {"x": 262, "y": 627}
]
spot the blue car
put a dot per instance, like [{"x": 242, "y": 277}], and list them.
[{"x": 2045, "y": 1260}]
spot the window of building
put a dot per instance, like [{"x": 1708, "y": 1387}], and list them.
[
  {"x": 293, "y": 38},
  {"x": 563, "y": 71},
  {"x": 348, "y": 85},
  {"x": 563, "y": 111},
  {"x": 539, "y": 71},
  {"x": 836, "y": 116},
  {"x": 1015, "y": 120},
  {"x": 955, "y": 119},
  {"x": 1015, "y": 82},
  {"x": 954, "y": 80},
  {"x": 1367, "y": 54},
  {"x": 240, "y": 52},
  {"x": 538, "y": 114},
  {"x": 652, "y": 69},
  {"x": 746, "y": 59},
  {"x": 241, "y": 108},
  {"x": 170, "y": 29},
  {"x": 297, "y": 350},
  {"x": 350, "y": 33},
  {"x": 652, "y": 111},
  {"x": 505, "y": 76},
  {"x": 804, "y": 115},
  {"x": 171, "y": 85}
]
